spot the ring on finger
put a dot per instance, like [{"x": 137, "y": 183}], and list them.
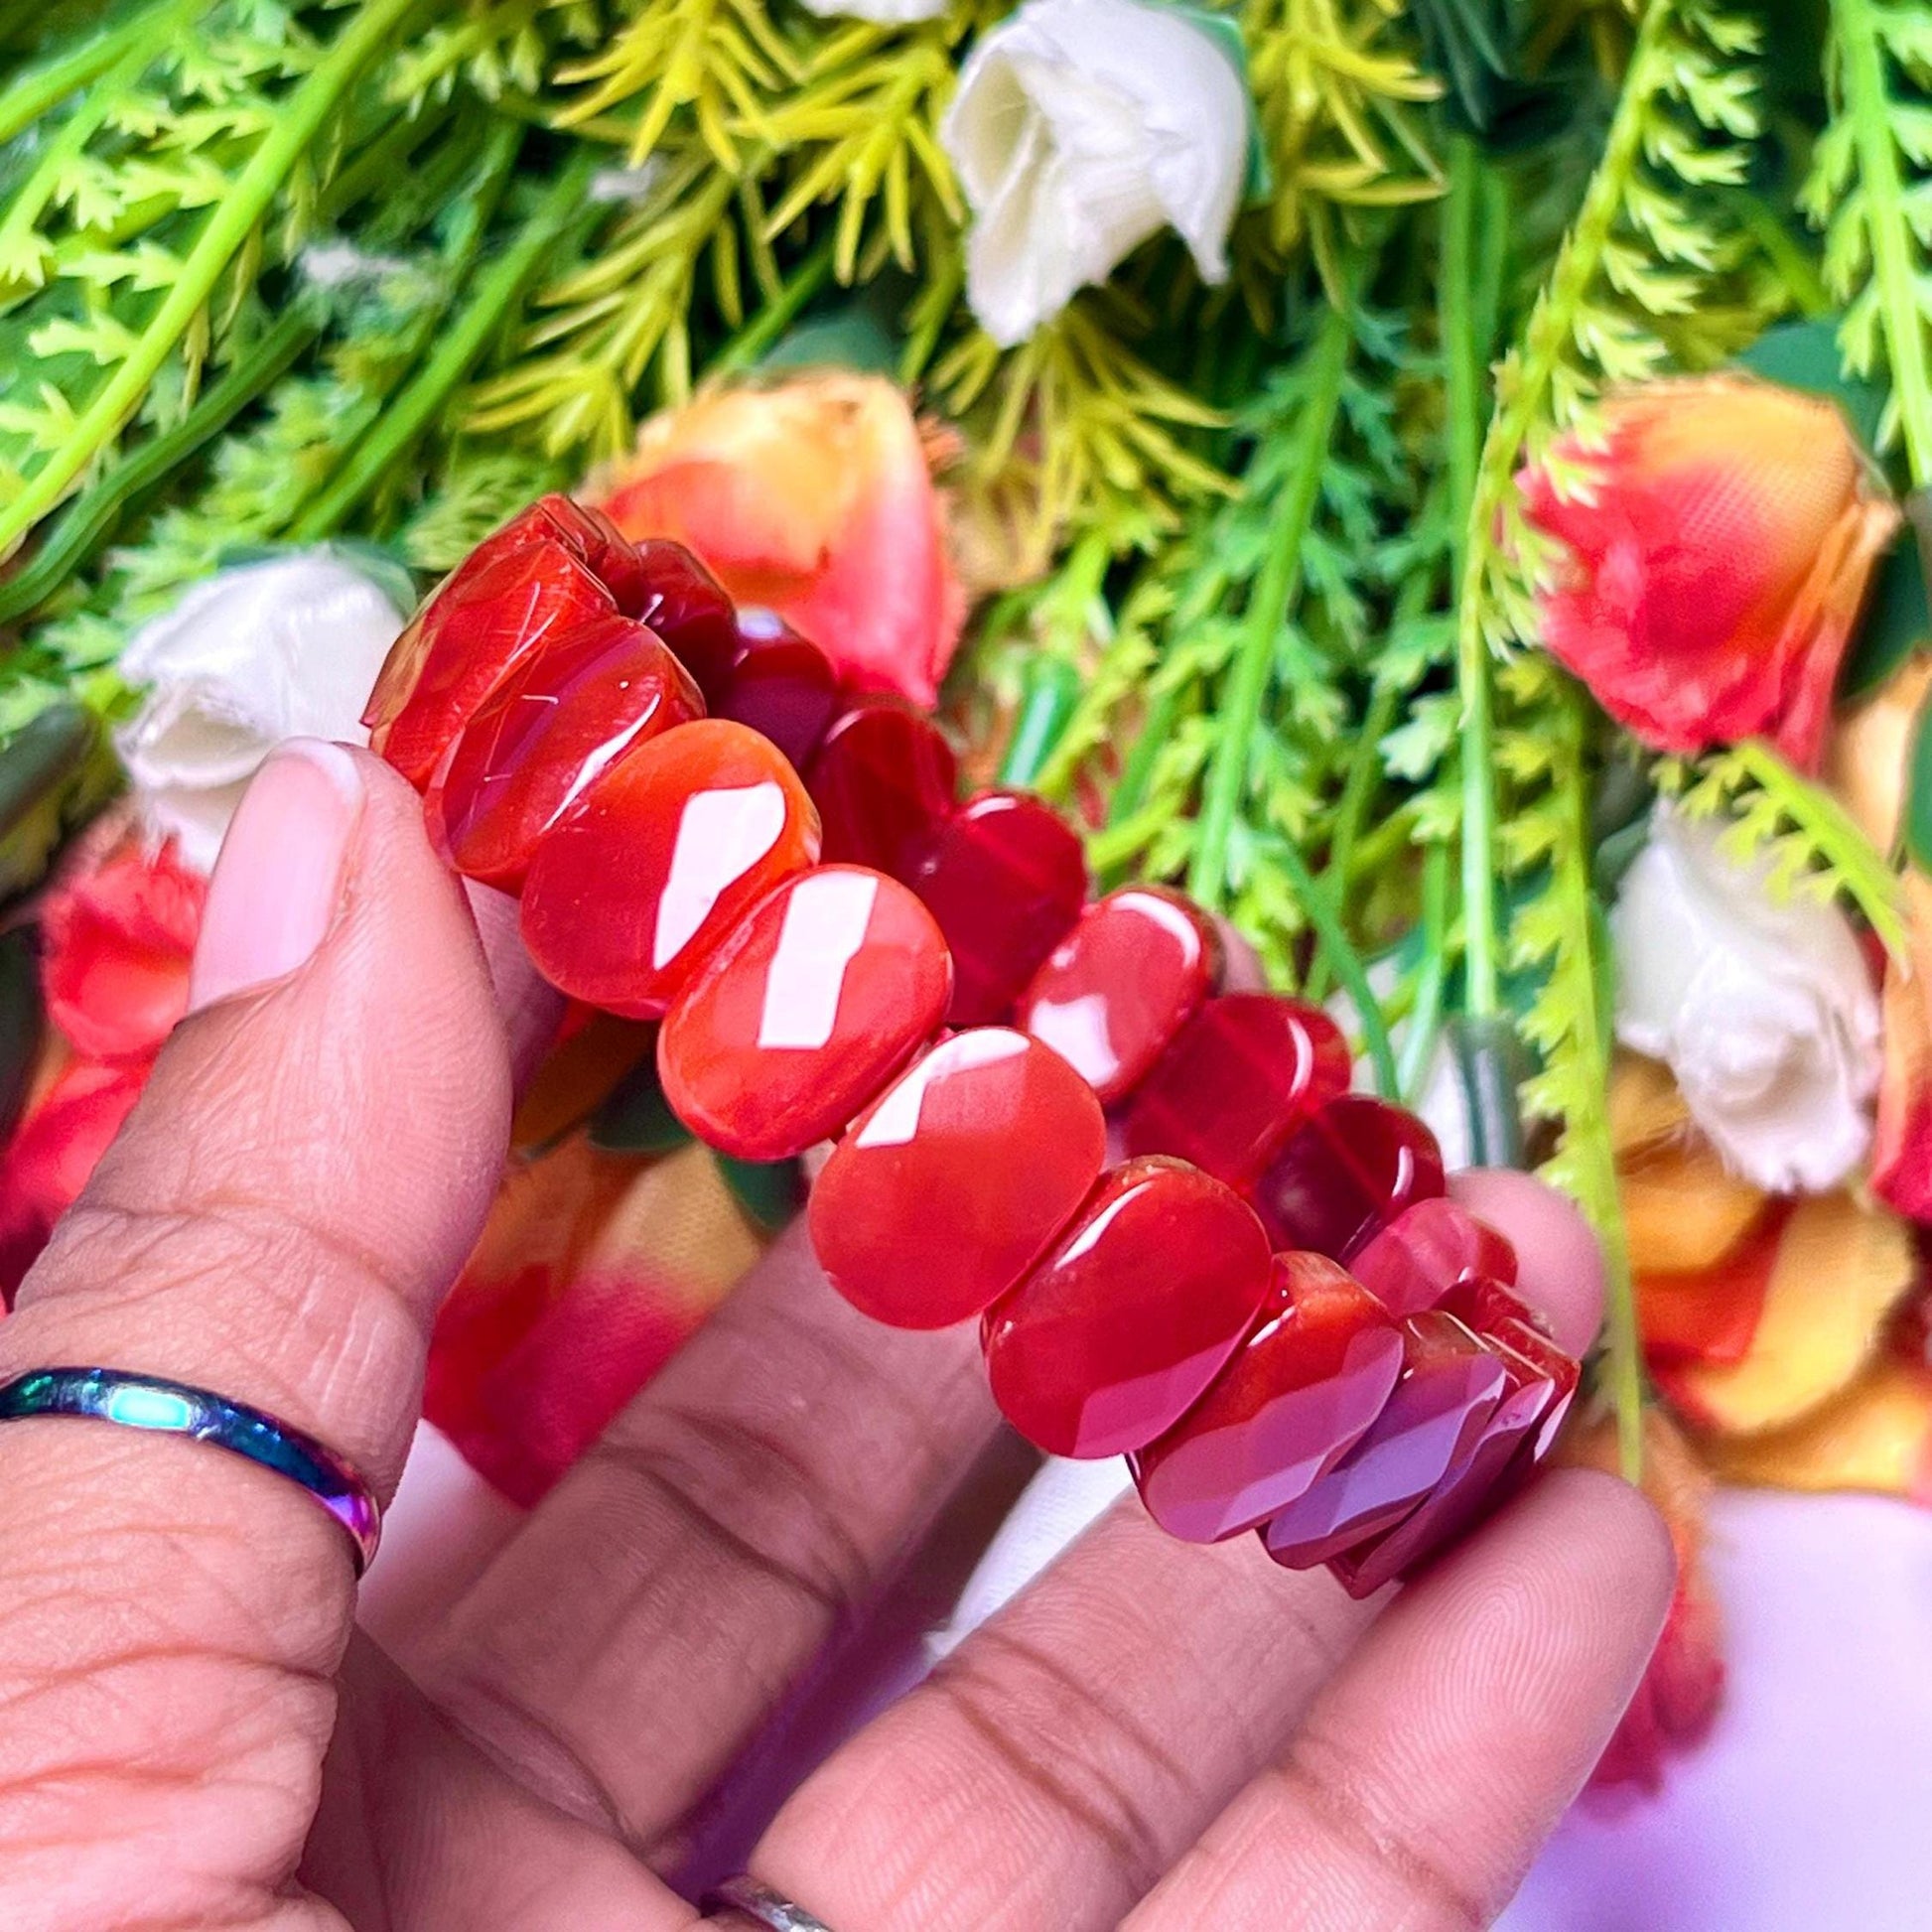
[{"x": 757, "y": 1903}]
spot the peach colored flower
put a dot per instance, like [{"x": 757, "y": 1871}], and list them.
[
  {"x": 1717, "y": 556},
  {"x": 812, "y": 498}
]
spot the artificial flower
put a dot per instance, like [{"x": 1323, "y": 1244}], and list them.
[
  {"x": 260, "y": 652},
  {"x": 1715, "y": 560},
  {"x": 884, "y": 13},
  {"x": 1081, "y": 128},
  {"x": 1874, "y": 1436},
  {"x": 812, "y": 499},
  {"x": 1763, "y": 1007},
  {"x": 1677, "y": 1701}
]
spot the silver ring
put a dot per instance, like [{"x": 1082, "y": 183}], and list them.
[{"x": 752, "y": 1899}]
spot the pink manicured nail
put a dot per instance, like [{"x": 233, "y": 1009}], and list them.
[{"x": 278, "y": 883}]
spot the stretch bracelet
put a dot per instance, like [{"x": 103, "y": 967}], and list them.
[{"x": 1186, "y": 1239}]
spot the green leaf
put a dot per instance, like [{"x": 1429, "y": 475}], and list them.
[
  {"x": 20, "y": 1024},
  {"x": 769, "y": 1191},
  {"x": 39, "y": 760},
  {"x": 637, "y": 1119},
  {"x": 1918, "y": 792},
  {"x": 1805, "y": 356},
  {"x": 1898, "y": 620}
]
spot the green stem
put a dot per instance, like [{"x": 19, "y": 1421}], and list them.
[
  {"x": 750, "y": 343},
  {"x": 1346, "y": 963},
  {"x": 227, "y": 227},
  {"x": 497, "y": 291},
  {"x": 1867, "y": 101},
  {"x": 1425, "y": 1020},
  {"x": 1359, "y": 781},
  {"x": 1267, "y": 604},
  {"x": 1049, "y": 696},
  {"x": 1795, "y": 267},
  {"x": 47, "y": 86}
]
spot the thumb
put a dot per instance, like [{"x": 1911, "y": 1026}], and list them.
[{"x": 302, "y": 1178}]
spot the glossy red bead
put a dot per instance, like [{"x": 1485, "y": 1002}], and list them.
[
  {"x": 804, "y": 1013},
  {"x": 1238, "y": 1079},
  {"x": 1114, "y": 992},
  {"x": 779, "y": 685},
  {"x": 659, "y": 860},
  {"x": 1005, "y": 879},
  {"x": 957, "y": 1180},
  {"x": 1448, "y": 1388},
  {"x": 1465, "y": 1495},
  {"x": 1349, "y": 1173},
  {"x": 1484, "y": 1303},
  {"x": 1410, "y": 1264},
  {"x": 667, "y": 587},
  {"x": 884, "y": 781},
  {"x": 1558, "y": 1369},
  {"x": 1119, "y": 1329},
  {"x": 1298, "y": 1395},
  {"x": 562, "y": 716}
]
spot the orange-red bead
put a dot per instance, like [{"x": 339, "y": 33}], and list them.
[
  {"x": 659, "y": 860},
  {"x": 1118, "y": 1331},
  {"x": 957, "y": 1178},
  {"x": 802, "y": 1014}
]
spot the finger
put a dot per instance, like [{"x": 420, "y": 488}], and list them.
[
  {"x": 1052, "y": 1767},
  {"x": 1433, "y": 1767},
  {"x": 309, "y": 1165},
  {"x": 732, "y": 1520}
]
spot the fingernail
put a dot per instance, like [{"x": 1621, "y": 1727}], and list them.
[{"x": 278, "y": 883}]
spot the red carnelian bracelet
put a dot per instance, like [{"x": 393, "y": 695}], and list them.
[{"x": 1266, "y": 1301}]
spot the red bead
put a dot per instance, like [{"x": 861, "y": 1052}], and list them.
[
  {"x": 1410, "y": 1264},
  {"x": 562, "y": 716},
  {"x": 1345, "y": 1176},
  {"x": 1116, "y": 1333},
  {"x": 957, "y": 1180},
  {"x": 884, "y": 782},
  {"x": 779, "y": 685},
  {"x": 1560, "y": 1370},
  {"x": 1297, "y": 1397},
  {"x": 1449, "y": 1387},
  {"x": 659, "y": 860},
  {"x": 508, "y": 601},
  {"x": 1005, "y": 879},
  {"x": 1484, "y": 1304},
  {"x": 669, "y": 590},
  {"x": 1239, "y": 1078},
  {"x": 825, "y": 992},
  {"x": 1122, "y": 984},
  {"x": 1464, "y": 1495}
]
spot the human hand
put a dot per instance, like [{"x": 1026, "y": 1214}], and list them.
[{"x": 193, "y": 1735}]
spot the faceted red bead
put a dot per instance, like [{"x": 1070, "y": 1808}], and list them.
[
  {"x": 781, "y": 685},
  {"x": 1558, "y": 1369},
  {"x": 1352, "y": 1169},
  {"x": 1004, "y": 877},
  {"x": 825, "y": 992},
  {"x": 659, "y": 860},
  {"x": 669, "y": 590},
  {"x": 1116, "y": 1333},
  {"x": 1116, "y": 989},
  {"x": 1484, "y": 1304},
  {"x": 1295, "y": 1398},
  {"x": 560, "y": 718},
  {"x": 884, "y": 782},
  {"x": 1464, "y": 1495},
  {"x": 1410, "y": 1264},
  {"x": 956, "y": 1180},
  {"x": 1239, "y": 1078},
  {"x": 508, "y": 601},
  {"x": 1449, "y": 1387}
]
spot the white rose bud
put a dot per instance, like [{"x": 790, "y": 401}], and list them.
[
  {"x": 287, "y": 649},
  {"x": 1081, "y": 128},
  {"x": 886, "y": 13},
  {"x": 1763, "y": 1010}
]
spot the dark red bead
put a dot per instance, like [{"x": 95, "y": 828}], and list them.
[
  {"x": 1114, "y": 1335},
  {"x": 779, "y": 685},
  {"x": 1410, "y": 1264},
  {"x": 1484, "y": 1304},
  {"x": 1114, "y": 992},
  {"x": 957, "y": 1180},
  {"x": 1005, "y": 879},
  {"x": 884, "y": 782},
  {"x": 1239, "y": 1078},
  {"x": 1558, "y": 1369},
  {"x": 1465, "y": 1495},
  {"x": 1448, "y": 1388},
  {"x": 668, "y": 589},
  {"x": 804, "y": 1013},
  {"x": 659, "y": 861},
  {"x": 1351, "y": 1170},
  {"x": 562, "y": 716},
  {"x": 1298, "y": 1395}
]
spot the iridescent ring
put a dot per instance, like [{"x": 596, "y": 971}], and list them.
[
  {"x": 176, "y": 1409},
  {"x": 750, "y": 1898}
]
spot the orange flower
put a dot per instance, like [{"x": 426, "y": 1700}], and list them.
[
  {"x": 813, "y": 498},
  {"x": 1718, "y": 555}
]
